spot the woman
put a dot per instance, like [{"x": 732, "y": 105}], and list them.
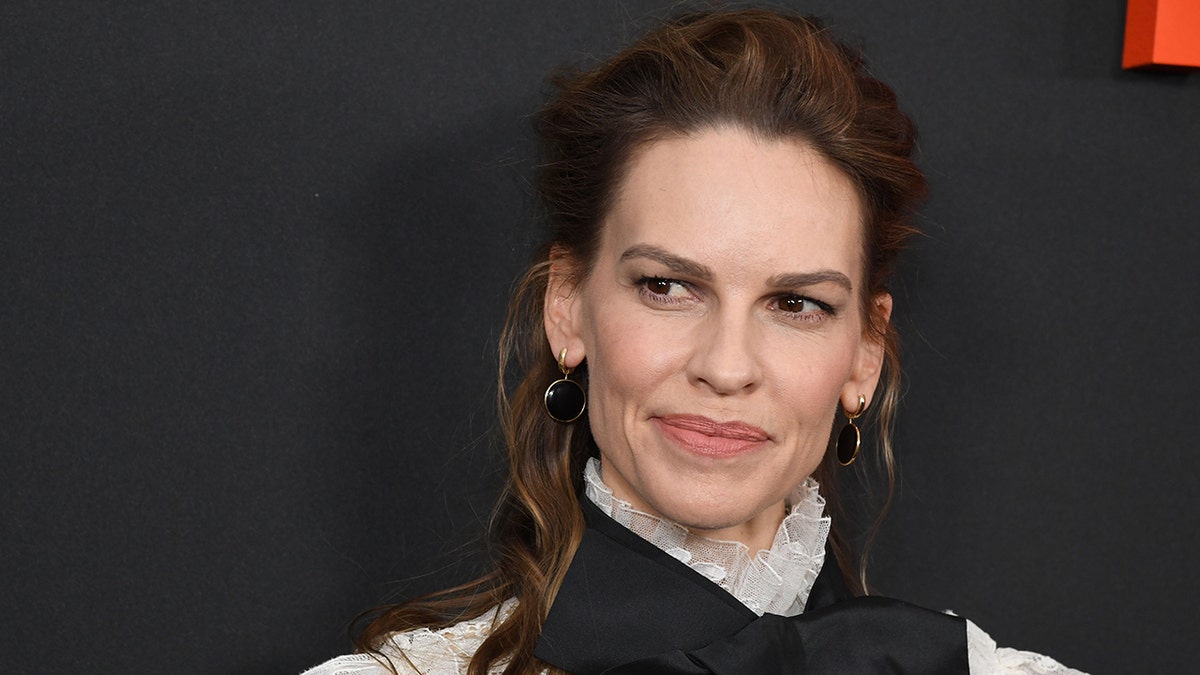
[{"x": 727, "y": 198}]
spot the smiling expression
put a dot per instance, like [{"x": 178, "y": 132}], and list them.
[{"x": 722, "y": 325}]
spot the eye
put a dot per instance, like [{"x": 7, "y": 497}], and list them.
[
  {"x": 796, "y": 304},
  {"x": 802, "y": 306},
  {"x": 659, "y": 289},
  {"x": 660, "y": 286}
]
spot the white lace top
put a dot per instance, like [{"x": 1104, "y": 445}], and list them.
[{"x": 777, "y": 580}]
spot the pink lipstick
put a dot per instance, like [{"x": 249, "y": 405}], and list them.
[{"x": 704, "y": 436}]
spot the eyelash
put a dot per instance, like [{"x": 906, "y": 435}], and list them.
[{"x": 824, "y": 310}]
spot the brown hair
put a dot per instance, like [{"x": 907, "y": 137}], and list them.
[{"x": 776, "y": 74}]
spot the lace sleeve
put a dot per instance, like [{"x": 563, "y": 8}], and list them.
[
  {"x": 422, "y": 651},
  {"x": 352, "y": 664},
  {"x": 985, "y": 658}
]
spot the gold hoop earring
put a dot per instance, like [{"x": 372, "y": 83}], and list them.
[
  {"x": 565, "y": 400},
  {"x": 850, "y": 440}
]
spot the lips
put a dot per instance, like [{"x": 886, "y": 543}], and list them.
[{"x": 704, "y": 436}]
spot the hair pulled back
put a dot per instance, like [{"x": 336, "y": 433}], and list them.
[{"x": 775, "y": 74}]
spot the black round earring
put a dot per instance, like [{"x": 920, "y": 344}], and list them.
[
  {"x": 849, "y": 440},
  {"x": 565, "y": 400}
]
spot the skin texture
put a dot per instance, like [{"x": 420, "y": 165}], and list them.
[{"x": 726, "y": 291}]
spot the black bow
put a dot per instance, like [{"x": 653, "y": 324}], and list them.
[{"x": 628, "y": 608}]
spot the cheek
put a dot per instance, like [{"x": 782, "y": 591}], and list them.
[
  {"x": 628, "y": 355},
  {"x": 808, "y": 379}
]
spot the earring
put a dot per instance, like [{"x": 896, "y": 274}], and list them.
[
  {"x": 565, "y": 399},
  {"x": 849, "y": 439}
]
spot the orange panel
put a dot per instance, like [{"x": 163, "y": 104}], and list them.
[{"x": 1162, "y": 33}]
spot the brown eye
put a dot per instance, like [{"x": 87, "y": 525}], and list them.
[
  {"x": 663, "y": 291},
  {"x": 798, "y": 304},
  {"x": 658, "y": 286},
  {"x": 792, "y": 304}
]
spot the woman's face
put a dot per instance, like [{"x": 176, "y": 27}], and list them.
[{"x": 722, "y": 327}]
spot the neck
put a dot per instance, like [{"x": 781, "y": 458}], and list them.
[{"x": 756, "y": 534}]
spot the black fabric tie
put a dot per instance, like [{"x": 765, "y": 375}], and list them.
[{"x": 628, "y": 608}]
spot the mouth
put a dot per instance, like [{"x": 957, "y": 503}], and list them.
[{"x": 705, "y": 436}]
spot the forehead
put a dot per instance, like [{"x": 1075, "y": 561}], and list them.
[{"x": 728, "y": 196}]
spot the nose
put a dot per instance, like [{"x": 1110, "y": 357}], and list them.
[{"x": 725, "y": 355}]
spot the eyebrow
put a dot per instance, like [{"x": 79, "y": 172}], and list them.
[
  {"x": 671, "y": 261},
  {"x": 695, "y": 270},
  {"x": 801, "y": 279}
]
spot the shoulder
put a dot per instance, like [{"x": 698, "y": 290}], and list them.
[
  {"x": 986, "y": 658},
  {"x": 421, "y": 651}
]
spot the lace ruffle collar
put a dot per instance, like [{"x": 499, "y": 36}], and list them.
[{"x": 776, "y": 580}]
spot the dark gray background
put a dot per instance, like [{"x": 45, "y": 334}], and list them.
[{"x": 253, "y": 263}]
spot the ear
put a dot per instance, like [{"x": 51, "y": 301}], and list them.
[
  {"x": 868, "y": 360},
  {"x": 563, "y": 309}
]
